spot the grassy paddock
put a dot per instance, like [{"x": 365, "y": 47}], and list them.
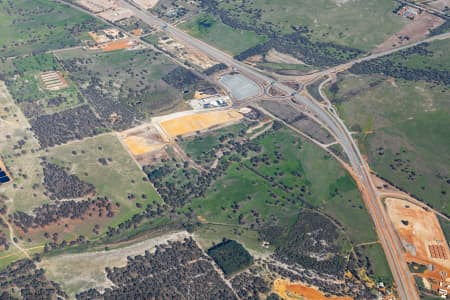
[{"x": 213, "y": 31}]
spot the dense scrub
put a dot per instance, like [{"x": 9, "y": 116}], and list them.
[
  {"x": 398, "y": 66},
  {"x": 59, "y": 128},
  {"x": 51, "y": 213},
  {"x": 28, "y": 281},
  {"x": 62, "y": 185},
  {"x": 313, "y": 242},
  {"x": 179, "y": 270},
  {"x": 230, "y": 256}
]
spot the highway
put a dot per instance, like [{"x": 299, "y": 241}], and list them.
[{"x": 328, "y": 117}]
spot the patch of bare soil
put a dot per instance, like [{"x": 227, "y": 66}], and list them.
[
  {"x": 419, "y": 231},
  {"x": 412, "y": 32},
  {"x": 274, "y": 56}
]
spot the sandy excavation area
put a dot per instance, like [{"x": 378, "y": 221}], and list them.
[
  {"x": 419, "y": 231},
  {"x": 192, "y": 123},
  {"x": 294, "y": 291},
  {"x": 143, "y": 140}
]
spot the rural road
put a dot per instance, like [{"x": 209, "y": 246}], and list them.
[{"x": 328, "y": 116}]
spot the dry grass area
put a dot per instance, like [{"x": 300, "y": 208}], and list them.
[
  {"x": 295, "y": 291},
  {"x": 116, "y": 14},
  {"x": 146, "y": 4},
  {"x": 282, "y": 58},
  {"x": 97, "y": 6},
  {"x": 192, "y": 123},
  {"x": 414, "y": 30},
  {"x": 99, "y": 38},
  {"x": 418, "y": 229},
  {"x": 78, "y": 272},
  {"x": 142, "y": 140},
  {"x": 22, "y": 163}
]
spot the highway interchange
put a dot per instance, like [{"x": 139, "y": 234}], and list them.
[{"x": 328, "y": 118}]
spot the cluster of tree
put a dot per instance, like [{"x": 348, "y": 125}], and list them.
[
  {"x": 112, "y": 112},
  {"x": 133, "y": 222},
  {"x": 445, "y": 27},
  {"x": 189, "y": 184},
  {"x": 297, "y": 44},
  {"x": 230, "y": 256},
  {"x": 354, "y": 286},
  {"x": 51, "y": 213},
  {"x": 121, "y": 97},
  {"x": 249, "y": 286},
  {"x": 312, "y": 242},
  {"x": 178, "y": 270},
  {"x": 57, "y": 243},
  {"x": 62, "y": 185},
  {"x": 214, "y": 69},
  {"x": 25, "y": 279},
  {"x": 40, "y": 31},
  {"x": 213, "y": 7},
  {"x": 185, "y": 80},
  {"x": 71, "y": 124},
  {"x": 390, "y": 67},
  {"x": 319, "y": 54},
  {"x": 177, "y": 188}
]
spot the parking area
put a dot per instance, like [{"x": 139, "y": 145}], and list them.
[{"x": 239, "y": 86}]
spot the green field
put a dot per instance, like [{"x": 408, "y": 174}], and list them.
[
  {"x": 349, "y": 23},
  {"x": 403, "y": 127},
  {"x": 40, "y": 25},
  {"x": 202, "y": 148},
  {"x": 26, "y": 87},
  {"x": 293, "y": 174},
  {"x": 117, "y": 180},
  {"x": 224, "y": 37},
  {"x": 379, "y": 268},
  {"x": 438, "y": 59},
  {"x": 131, "y": 87}
]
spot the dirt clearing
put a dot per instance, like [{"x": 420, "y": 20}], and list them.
[
  {"x": 197, "y": 122},
  {"x": 411, "y": 32},
  {"x": 146, "y": 4},
  {"x": 78, "y": 272},
  {"x": 274, "y": 56},
  {"x": 142, "y": 140},
  {"x": 294, "y": 291},
  {"x": 117, "y": 45},
  {"x": 419, "y": 231}
]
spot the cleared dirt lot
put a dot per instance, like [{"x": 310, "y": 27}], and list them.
[
  {"x": 197, "y": 122},
  {"x": 146, "y": 4},
  {"x": 294, "y": 291},
  {"x": 77, "y": 272},
  {"x": 142, "y": 140},
  {"x": 278, "y": 57},
  {"x": 419, "y": 231},
  {"x": 117, "y": 45},
  {"x": 414, "y": 30},
  {"x": 117, "y": 14}
]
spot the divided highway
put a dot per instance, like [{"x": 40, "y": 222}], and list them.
[
  {"x": 391, "y": 244},
  {"x": 389, "y": 240}
]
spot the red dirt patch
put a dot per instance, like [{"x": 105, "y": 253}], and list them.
[{"x": 117, "y": 45}]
